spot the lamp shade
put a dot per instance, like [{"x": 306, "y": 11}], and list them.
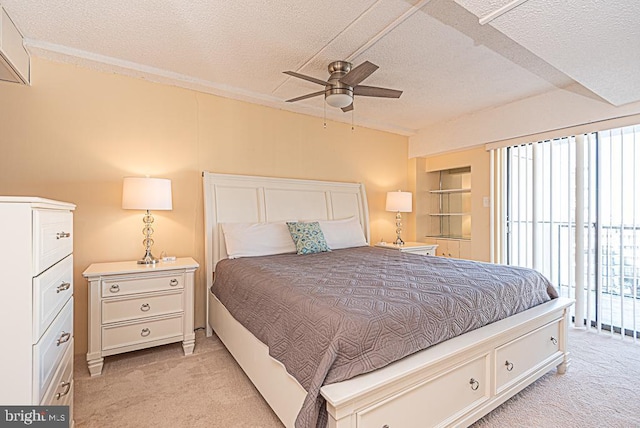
[
  {"x": 145, "y": 193},
  {"x": 399, "y": 201}
]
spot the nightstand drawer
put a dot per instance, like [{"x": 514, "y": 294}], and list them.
[
  {"x": 126, "y": 286},
  {"x": 52, "y": 238},
  {"x": 114, "y": 337},
  {"x": 419, "y": 248},
  {"x": 422, "y": 252},
  {"x": 51, "y": 290},
  {"x": 116, "y": 310},
  {"x": 48, "y": 352}
]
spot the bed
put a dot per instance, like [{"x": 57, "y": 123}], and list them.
[{"x": 452, "y": 383}]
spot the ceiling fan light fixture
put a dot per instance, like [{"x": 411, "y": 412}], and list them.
[
  {"x": 343, "y": 84},
  {"x": 338, "y": 100}
]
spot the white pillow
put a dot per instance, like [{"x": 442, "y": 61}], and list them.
[
  {"x": 345, "y": 233},
  {"x": 257, "y": 239}
]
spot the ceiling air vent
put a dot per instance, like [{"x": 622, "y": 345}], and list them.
[{"x": 14, "y": 58}]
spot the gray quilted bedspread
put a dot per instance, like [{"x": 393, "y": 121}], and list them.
[{"x": 331, "y": 316}]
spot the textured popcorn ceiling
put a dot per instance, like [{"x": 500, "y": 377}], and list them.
[
  {"x": 447, "y": 64},
  {"x": 595, "y": 42}
]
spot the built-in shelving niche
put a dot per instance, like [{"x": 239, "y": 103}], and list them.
[{"x": 450, "y": 204}]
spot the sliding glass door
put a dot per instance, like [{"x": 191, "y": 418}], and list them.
[
  {"x": 619, "y": 228},
  {"x": 578, "y": 196}
]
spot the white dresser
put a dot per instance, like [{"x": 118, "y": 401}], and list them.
[
  {"x": 36, "y": 308},
  {"x": 133, "y": 306}
]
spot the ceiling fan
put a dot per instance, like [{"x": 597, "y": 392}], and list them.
[{"x": 344, "y": 84}]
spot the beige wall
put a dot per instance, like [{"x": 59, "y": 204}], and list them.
[
  {"x": 480, "y": 162},
  {"x": 75, "y": 133}
]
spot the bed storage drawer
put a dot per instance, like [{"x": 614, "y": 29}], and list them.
[
  {"x": 51, "y": 290},
  {"x": 48, "y": 352},
  {"x": 139, "y": 333},
  {"x": 52, "y": 238},
  {"x": 116, "y": 310},
  {"x": 142, "y": 284},
  {"x": 520, "y": 357},
  {"x": 442, "y": 399}
]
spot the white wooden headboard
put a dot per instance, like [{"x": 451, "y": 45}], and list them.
[{"x": 252, "y": 199}]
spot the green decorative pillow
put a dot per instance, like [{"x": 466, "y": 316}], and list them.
[{"x": 308, "y": 237}]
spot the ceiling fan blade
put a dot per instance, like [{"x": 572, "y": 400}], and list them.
[
  {"x": 304, "y": 97},
  {"x": 308, "y": 78},
  {"x": 373, "y": 91},
  {"x": 359, "y": 73},
  {"x": 348, "y": 108}
]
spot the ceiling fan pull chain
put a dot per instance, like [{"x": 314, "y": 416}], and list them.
[
  {"x": 351, "y": 120},
  {"x": 325, "y": 115}
]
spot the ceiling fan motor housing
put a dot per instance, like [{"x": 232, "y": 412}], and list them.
[{"x": 338, "y": 70}]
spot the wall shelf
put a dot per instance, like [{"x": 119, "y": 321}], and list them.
[
  {"x": 450, "y": 191},
  {"x": 450, "y": 204},
  {"x": 456, "y": 237},
  {"x": 449, "y": 214}
]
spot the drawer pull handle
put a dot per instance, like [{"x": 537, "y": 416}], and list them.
[
  {"x": 173, "y": 282},
  {"x": 554, "y": 340},
  {"x": 385, "y": 426},
  {"x": 145, "y": 307},
  {"x": 114, "y": 288},
  {"x": 67, "y": 387},
  {"x": 474, "y": 384},
  {"x": 508, "y": 365},
  {"x": 63, "y": 286},
  {"x": 145, "y": 332},
  {"x": 64, "y": 337},
  {"x": 63, "y": 234}
]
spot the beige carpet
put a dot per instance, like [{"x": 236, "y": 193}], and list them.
[{"x": 160, "y": 387}]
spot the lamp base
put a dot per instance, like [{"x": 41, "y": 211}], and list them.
[
  {"x": 148, "y": 259},
  {"x": 399, "y": 240}
]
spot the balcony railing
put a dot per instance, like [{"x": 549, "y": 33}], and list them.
[{"x": 612, "y": 280}]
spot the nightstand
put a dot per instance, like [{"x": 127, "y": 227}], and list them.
[
  {"x": 134, "y": 306},
  {"x": 411, "y": 247}
]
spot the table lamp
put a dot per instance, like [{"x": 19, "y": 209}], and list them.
[
  {"x": 145, "y": 193},
  {"x": 399, "y": 202}
]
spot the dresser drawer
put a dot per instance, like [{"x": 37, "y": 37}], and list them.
[
  {"x": 51, "y": 290},
  {"x": 60, "y": 390},
  {"x": 52, "y": 238},
  {"x": 140, "y": 332},
  {"x": 115, "y": 310},
  {"x": 518, "y": 358},
  {"x": 141, "y": 284},
  {"x": 441, "y": 399},
  {"x": 48, "y": 352}
]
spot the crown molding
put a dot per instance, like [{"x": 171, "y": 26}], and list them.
[{"x": 103, "y": 63}]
